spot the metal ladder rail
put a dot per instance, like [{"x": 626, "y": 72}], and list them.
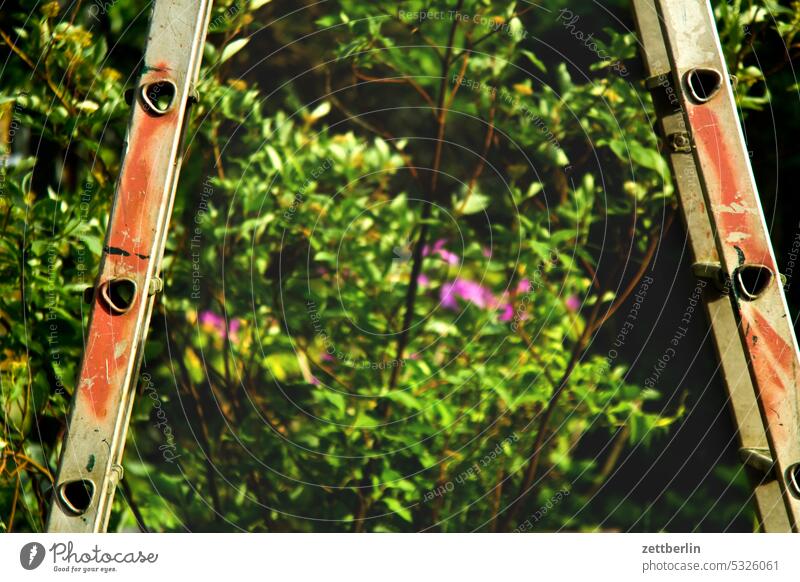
[
  {"x": 754, "y": 447},
  {"x": 745, "y": 260},
  {"x": 90, "y": 463}
]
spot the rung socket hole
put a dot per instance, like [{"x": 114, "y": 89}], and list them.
[
  {"x": 752, "y": 280},
  {"x": 76, "y": 496},
  {"x": 119, "y": 295},
  {"x": 159, "y": 97},
  {"x": 793, "y": 477},
  {"x": 703, "y": 84}
]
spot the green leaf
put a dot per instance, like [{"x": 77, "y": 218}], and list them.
[
  {"x": 233, "y": 48},
  {"x": 395, "y": 506}
]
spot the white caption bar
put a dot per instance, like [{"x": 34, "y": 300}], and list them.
[{"x": 406, "y": 558}]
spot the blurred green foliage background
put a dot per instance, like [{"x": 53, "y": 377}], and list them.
[{"x": 402, "y": 251}]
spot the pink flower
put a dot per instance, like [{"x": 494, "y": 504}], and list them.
[
  {"x": 423, "y": 280},
  {"x": 216, "y": 323},
  {"x": 448, "y": 298},
  {"x": 426, "y": 250},
  {"x": 438, "y": 249},
  {"x": 470, "y": 291},
  {"x": 233, "y": 329},
  {"x": 507, "y": 312},
  {"x": 573, "y": 303},
  {"x": 524, "y": 286},
  {"x": 449, "y": 258},
  {"x": 487, "y": 252},
  {"x": 213, "y": 322}
]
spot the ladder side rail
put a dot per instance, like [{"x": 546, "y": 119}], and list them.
[
  {"x": 89, "y": 466},
  {"x": 724, "y": 328},
  {"x": 747, "y": 261}
]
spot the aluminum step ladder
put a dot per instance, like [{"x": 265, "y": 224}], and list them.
[
  {"x": 90, "y": 466},
  {"x": 697, "y": 117},
  {"x": 751, "y": 324}
]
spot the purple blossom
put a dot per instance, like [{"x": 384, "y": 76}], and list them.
[
  {"x": 438, "y": 249},
  {"x": 233, "y": 329},
  {"x": 573, "y": 303},
  {"x": 449, "y": 258},
  {"x": 524, "y": 286},
  {"x": 216, "y": 323},
  {"x": 507, "y": 312},
  {"x": 211, "y": 320},
  {"x": 469, "y": 291},
  {"x": 448, "y": 298},
  {"x": 438, "y": 245}
]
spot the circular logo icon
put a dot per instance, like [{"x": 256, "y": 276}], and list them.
[{"x": 31, "y": 555}]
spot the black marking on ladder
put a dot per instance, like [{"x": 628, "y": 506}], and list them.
[{"x": 123, "y": 253}]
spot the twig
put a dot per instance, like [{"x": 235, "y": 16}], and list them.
[
  {"x": 533, "y": 463},
  {"x": 14, "y": 506},
  {"x": 416, "y": 267},
  {"x": 127, "y": 495},
  {"x": 634, "y": 282}
]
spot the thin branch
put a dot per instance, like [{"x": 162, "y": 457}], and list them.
[
  {"x": 416, "y": 267},
  {"x": 634, "y": 282},
  {"x": 127, "y": 495},
  {"x": 533, "y": 464},
  {"x": 402, "y": 80}
]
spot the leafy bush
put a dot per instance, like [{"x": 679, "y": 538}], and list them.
[{"x": 404, "y": 244}]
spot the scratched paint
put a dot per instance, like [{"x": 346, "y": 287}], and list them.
[
  {"x": 736, "y": 220},
  {"x": 739, "y": 226},
  {"x": 130, "y": 243}
]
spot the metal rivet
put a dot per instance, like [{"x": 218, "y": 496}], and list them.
[
  {"x": 156, "y": 286},
  {"x": 680, "y": 142}
]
